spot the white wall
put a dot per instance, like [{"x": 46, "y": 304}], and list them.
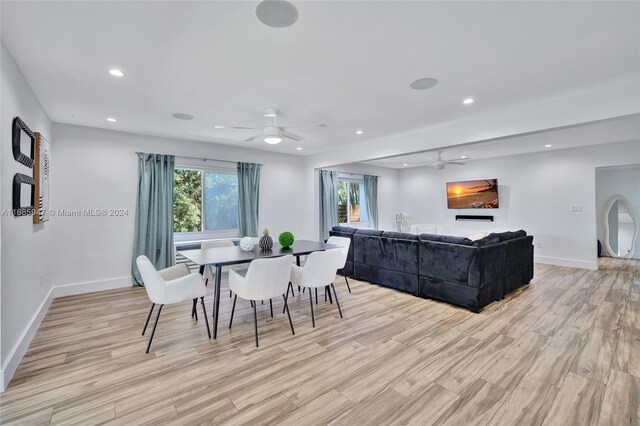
[
  {"x": 537, "y": 192},
  {"x": 95, "y": 168},
  {"x": 617, "y": 181},
  {"x": 26, "y": 282}
]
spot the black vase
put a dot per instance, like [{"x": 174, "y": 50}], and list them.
[{"x": 266, "y": 243}]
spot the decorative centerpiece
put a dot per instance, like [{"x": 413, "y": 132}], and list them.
[
  {"x": 247, "y": 244},
  {"x": 266, "y": 242},
  {"x": 286, "y": 239}
]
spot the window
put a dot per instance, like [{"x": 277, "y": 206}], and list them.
[
  {"x": 205, "y": 202},
  {"x": 351, "y": 202}
]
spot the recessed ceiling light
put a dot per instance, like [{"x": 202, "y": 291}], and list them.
[
  {"x": 299, "y": 148},
  {"x": 423, "y": 83},
  {"x": 111, "y": 120},
  {"x": 182, "y": 116},
  {"x": 467, "y": 101},
  {"x": 272, "y": 140},
  {"x": 218, "y": 127},
  {"x": 548, "y": 145},
  {"x": 359, "y": 132},
  {"x": 116, "y": 72},
  {"x": 463, "y": 157},
  {"x": 405, "y": 164},
  {"x": 276, "y": 13}
]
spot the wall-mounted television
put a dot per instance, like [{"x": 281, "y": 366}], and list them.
[{"x": 473, "y": 194}]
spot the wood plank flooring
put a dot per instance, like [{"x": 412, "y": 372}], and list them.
[{"x": 563, "y": 350}]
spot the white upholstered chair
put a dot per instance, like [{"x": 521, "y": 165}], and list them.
[
  {"x": 426, "y": 228},
  {"x": 344, "y": 252},
  {"x": 168, "y": 286},
  {"x": 208, "y": 270},
  {"x": 265, "y": 279},
  {"x": 318, "y": 271}
]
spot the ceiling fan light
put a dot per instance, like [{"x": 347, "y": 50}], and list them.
[{"x": 273, "y": 140}]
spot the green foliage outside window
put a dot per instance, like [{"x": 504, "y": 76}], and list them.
[{"x": 187, "y": 213}]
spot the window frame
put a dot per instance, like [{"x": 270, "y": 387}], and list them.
[
  {"x": 203, "y": 234},
  {"x": 359, "y": 179}
]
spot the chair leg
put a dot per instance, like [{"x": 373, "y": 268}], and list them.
[
  {"x": 154, "y": 328},
  {"x": 316, "y": 295},
  {"x": 336, "y": 296},
  {"x": 313, "y": 320},
  {"x": 329, "y": 293},
  {"x": 233, "y": 309},
  {"x": 194, "y": 312},
  {"x": 271, "y": 307},
  {"x": 230, "y": 294},
  {"x": 206, "y": 320},
  {"x": 255, "y": 322},
  {"x": 289, "y": 315},
  {"x": 286, "y": 296},
  {"x": 325, "y": 294},
  {"x": 148, "y": 317},
  {"x": 347, "y": 281}
]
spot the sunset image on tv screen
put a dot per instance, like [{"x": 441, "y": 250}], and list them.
[{"x": 473, "y": 194}]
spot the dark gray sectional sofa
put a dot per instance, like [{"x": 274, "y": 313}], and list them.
[{"x": 456, "y": 270}]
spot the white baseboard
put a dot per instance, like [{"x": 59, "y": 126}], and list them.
[
  {"x": 91, "y": 286},
  {"x": 18, "y": 351},
  {"x": 572, "y": 263}
]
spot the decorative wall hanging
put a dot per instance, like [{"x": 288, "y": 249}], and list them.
[
  {"x": 18, "y": 130},
  {"x": 41, "y": 177},
  {"x": 22, "y": 182}
]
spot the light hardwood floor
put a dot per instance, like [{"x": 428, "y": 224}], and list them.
[{"x": 564, "y": 350}]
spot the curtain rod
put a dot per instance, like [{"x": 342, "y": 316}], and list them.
[
  {"x": 353, "y": 174},
  {"x": 197, "y": 158}
]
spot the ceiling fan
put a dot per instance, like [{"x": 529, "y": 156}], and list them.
[
  {"x": 439, "y": 163},
  {"x": 272, "y": 133}
]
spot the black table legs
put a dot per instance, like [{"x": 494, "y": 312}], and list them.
[{"x": 216, "y": 301}]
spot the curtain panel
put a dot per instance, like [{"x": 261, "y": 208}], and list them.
[
  {"x": 371, "y": 196},
  {"x": 328, "y": 202},
  {"x": 153, "y": 234},
  {"x": 248, "y": 198}
]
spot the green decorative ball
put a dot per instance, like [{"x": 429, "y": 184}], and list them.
[{"x": 286, "y": 239}]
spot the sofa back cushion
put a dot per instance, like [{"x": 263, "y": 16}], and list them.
[
  {"x": 449, "y": 239},
  {"x": 370, "y": 232},
  {"x": 510, "y": 235},
  {"x": 344, "y": 229},
  {"x": 445, "y": 261},
  {"x": 488, "y": 240},
  {"x": 400, "y": 235},
  {"x": 392, "y": 254}
]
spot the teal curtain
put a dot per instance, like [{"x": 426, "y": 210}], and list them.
[
  {"x": 371, "y": 197},
  {"x": 153, "y": 235},
  {"x": 248, "y": 198},
  {"x": 328, "y": 202}
]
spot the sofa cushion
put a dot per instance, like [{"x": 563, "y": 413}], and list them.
[
  {"x": 370, "y": 232},
  {"x": 510, "y": 235},
  {"x": 344, "y": 229},
  {"x": 488, "y": 240},
  {"x": 400, "y": 236},
  {"x": 450, "y": 239}
]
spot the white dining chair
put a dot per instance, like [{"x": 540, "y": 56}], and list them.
[
  {"x": 169, "y": 286},
  {"x": 344, "y": 243},
  {"x": 318, "y": 271},
  {"x": 265, "y": 279},
  {"x": 208, "y": 271}
]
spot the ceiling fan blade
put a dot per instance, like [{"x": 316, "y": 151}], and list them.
[
  {"x": 455, "y": 163},
  {"x": 236, "y": 127},
  {"x": 253, "y": 138},
  {"x": 291, "y": 135},
  {"x": 297, "y": 126}
]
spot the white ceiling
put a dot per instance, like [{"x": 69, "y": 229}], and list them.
[
  {"x": 607, "y": 131},
  {"x": 347, "y": 64}
]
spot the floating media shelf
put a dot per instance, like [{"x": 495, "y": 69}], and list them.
[{"x": 482, "y": 218}]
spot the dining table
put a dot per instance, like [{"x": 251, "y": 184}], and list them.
[{"x": 234, "y": 255}]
